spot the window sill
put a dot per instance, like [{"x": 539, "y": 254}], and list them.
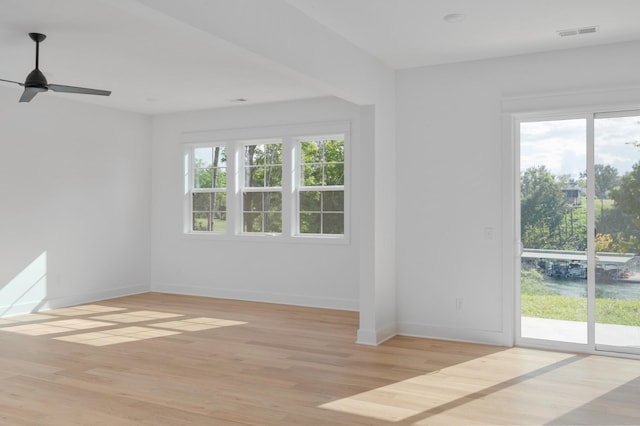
[{"x": 269, "y": 238}]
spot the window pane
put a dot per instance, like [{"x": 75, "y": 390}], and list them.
[
  {"x": 202, "y": 178},
  {"x": 273, "y": 176},
  {"x": 333, "y": 223},
  {"x": 322, "y": 163},
  {"x": 201, "y": 202},
  {"x": 203, "y": 157},
  {"x": 553, "y": 226},
  {"x": 273, "y": 154},
  {"x": 201, "y": 221},
  {"x": 310, "y": 223},
  {"x": 264, "y": 154},
  {"x": 219, "y": 202},
  {"x": 311, "y": 175},
  {"x": 272, "y": 201},
  {"x": 617, "y": 243},
  {"x": 252, "y": 222},
  {"x": 219, "y": 221},
  {"x": 333, "y": 201},
  {"x": 253, "y": 154},
  {"x": 218, "y": 177},
  {"x": 254, "y": 176},
  {"x": 273, "y": 222},
  {"x": 334, "y": 174},
  {"x": 334, "y": 151},
  {"x": 310, "y": 152},
  {"x": 219, "y": 156},
  {"x": 209, "y": 167},
  {"x": 310, "y": 201},
  {"x": 252, "y": 202}
]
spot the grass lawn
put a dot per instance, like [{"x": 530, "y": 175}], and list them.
[
  {"x": 608, "y": 311},
  {"x": 201, "y": 224}
]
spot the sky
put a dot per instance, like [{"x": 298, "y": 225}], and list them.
[{"x": 561, "y": 145}]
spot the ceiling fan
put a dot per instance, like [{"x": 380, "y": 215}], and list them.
[{"x": 36, "y": 81}]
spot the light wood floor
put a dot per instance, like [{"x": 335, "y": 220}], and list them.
[{"x": 178, "y": 360}]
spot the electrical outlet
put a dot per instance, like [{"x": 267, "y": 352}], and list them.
[{"x": 488, "y": 233}]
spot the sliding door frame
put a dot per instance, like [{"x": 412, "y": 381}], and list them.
[{"x": 554, "y": 107}]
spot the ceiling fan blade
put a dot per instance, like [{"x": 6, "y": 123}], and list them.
[
  {"x": 11, "y": 81},
  {"x": 82, "y": 90},
  {"x": 30, "y": 92}
]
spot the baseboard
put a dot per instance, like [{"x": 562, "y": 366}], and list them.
[
  {"x": 256, "y": 296},
  {"x": 65, "y": 301},
  {"x": 376, "y": 337},
  {"x": 457, "y": 334}
]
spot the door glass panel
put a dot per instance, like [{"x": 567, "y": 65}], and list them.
[
  {"x": 617, "y": 213},
  {"x": 553, "y": 228}
]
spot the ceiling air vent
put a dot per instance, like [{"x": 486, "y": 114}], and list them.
[{"x": 578, "y": 31}]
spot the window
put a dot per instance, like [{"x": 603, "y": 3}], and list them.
[
  {"x": 321, "y": 189},
  {"x": 287, "y": 188},
  {"x": 262, "y": 190},
  {"x": 209, "y": 189}
]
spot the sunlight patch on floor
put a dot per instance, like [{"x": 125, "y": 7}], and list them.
[
  {"x": 117, "y": 335},
  {"x": 55, "y": 327},
  {"x": 113, "y": 331},
  {"x": 136, "y": 316},
  {"x": 196, "y": 324},
  {"x": 456, "y": 394},
  {"x": 84, "y": 310}
]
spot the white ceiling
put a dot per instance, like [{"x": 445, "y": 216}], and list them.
[
  {"x": 154, "y": 63},
  {"x": 412, "y": 33}
]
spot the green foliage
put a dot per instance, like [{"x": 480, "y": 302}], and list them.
[
  {"x": 209, "y": 211},
  {"x": 543, "y": 205},
  {"x": 606, "y": 178},
  {"x": 262, "y": 211},
  {"x": 532, "y": 283},
  {"x": 210, "y": 169},
  {"x": 322, "y": 212},
  {"x": 615, "y": 221},
  {"x": 572, "y": 234},
  {"x": 604, "y": 243},
  {"x": 322, "y": 162},
  {"x": 263, "y": 165},
  {"x": 619, "y": 219},
  {"x": 628, "y": 244},
  {"x": 627, "y": 194}
]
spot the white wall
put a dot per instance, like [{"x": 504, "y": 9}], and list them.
[
  {"x": 323, "y": 275},
  {"x": 74, "y": 203},
  {"x": 286, "y": 38},
  {"x": 454, "y": 175}
]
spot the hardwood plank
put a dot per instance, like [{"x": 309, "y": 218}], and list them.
[{"x": 247, "y": 363}]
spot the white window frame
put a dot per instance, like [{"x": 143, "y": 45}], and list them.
[
  {"x": 234, "y": 141},
  {"x": 299, "y": 187},
  {"x": 190, "y": 189},
  {"x": 259, "y": 189}
]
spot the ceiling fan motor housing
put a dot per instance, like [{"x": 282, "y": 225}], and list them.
[{"x": 36, "y": 79}]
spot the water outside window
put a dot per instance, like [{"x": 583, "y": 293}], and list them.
[
  {"x": 560, "y": 268},
  {"x": 617, "y": 242},
  {"x": 553, "y": 222}
]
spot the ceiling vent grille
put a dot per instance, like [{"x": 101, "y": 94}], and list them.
[{"x": 578, "y": 31}]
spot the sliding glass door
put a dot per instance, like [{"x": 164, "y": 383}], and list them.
[
  {"x": 617, "y": 231},
  {"x": 579, "y": 226},
  {"x": 553, "y": 230}
]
